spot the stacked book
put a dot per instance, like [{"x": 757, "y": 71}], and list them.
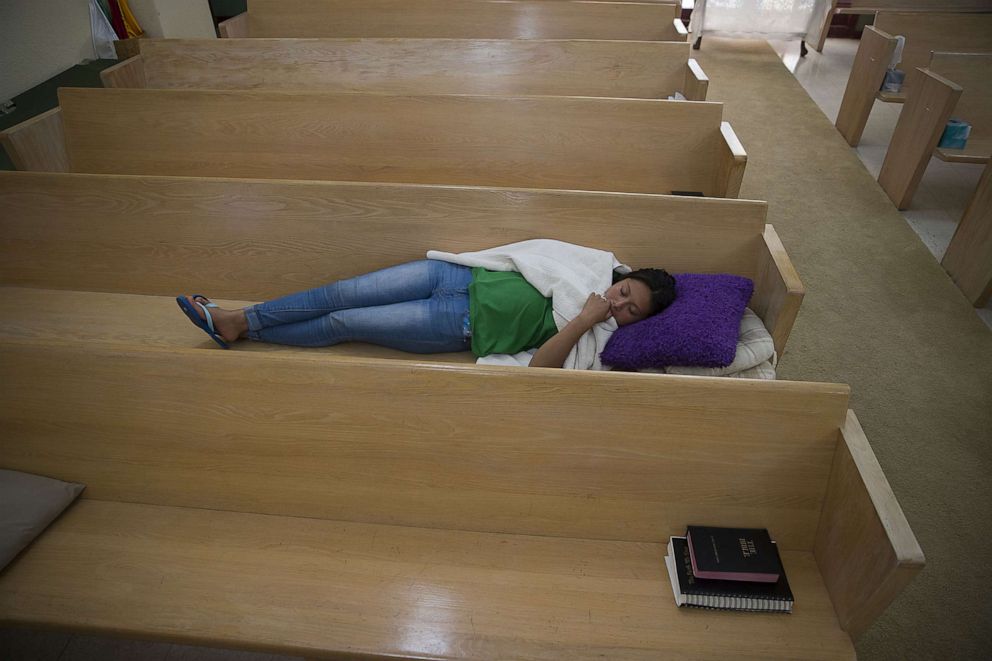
[{"x": 728, "y": 568}]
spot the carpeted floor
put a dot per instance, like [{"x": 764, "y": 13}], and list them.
[{"x": 881, "y": 315}]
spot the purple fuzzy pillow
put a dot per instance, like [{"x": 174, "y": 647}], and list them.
[{"x": 698, "y": 329}]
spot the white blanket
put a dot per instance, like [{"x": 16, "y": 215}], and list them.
[{"x": 565, "y": 273}]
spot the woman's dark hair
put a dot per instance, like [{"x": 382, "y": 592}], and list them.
[{"x": 659, "y": 281}]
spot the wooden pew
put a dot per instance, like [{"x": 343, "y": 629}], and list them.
[
  {"x": 255, "y": 240},
  {"x": 458, "y": 19},
  {"x": 623, "y": 145},
  {"x": 954, "y": 85},
  {"x": 507, "y": 67},
  {"x": 968, "y": 259},
  {"x": 875, "y": 6},
  {"x": 925, "y": 33},
  {"x": 335, "y": 507}
]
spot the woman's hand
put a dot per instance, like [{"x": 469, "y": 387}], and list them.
[{"x": 596, "y": 309}]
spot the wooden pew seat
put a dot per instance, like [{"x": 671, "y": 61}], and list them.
[
  {"x": 507, "y": 67},
  {"x": 66, "y": 316},
  {"x": 309, "y": 587}
]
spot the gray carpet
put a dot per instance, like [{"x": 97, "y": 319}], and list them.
[{"x": 881, "y": 315}]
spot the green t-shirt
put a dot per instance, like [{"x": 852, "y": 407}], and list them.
[{"x": 507, "y": 314}]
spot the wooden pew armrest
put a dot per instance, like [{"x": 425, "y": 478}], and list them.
[
  {"x": 867, "y": 74},
  {"x": 235, "y": 27},
  {"x": 731, "y": 163},
  {"x": 129, "y": 73},
  {"x": 866, "y": 551},
  {"x": 696, "y": 82},
  {"x": 779, "y": 291},
  {"x": 680, "y": 28},
  {"x": 38, "y": 144}
]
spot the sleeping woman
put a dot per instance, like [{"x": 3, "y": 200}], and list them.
[{"x": 433, "y": 306}]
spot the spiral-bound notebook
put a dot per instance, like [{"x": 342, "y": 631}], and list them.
[{"x": 725, "y": 595}]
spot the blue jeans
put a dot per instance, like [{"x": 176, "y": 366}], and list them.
[{"x": 419, "y": 307}]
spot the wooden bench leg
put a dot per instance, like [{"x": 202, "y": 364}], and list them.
[
  {"x": 968, "y": 259},
  {"x": 867, "y": 74},
  {"x": 928, "y": 107}
]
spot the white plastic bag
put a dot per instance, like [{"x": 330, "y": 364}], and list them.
[{"x": 103, "y": 33}]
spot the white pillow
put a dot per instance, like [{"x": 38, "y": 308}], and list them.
[{"x": 28, "y": 503}]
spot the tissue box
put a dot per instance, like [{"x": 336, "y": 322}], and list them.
[{"x": 955, "y": 134}]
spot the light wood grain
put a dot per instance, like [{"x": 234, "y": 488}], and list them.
[
  {"x": 778, "y": 291},
  {"x": 873, "y": 6},
  {"x": 38, "y": 144},
  {"x": 562, "y": 453},
  {"x": 129, "y": 73},
  {"x": 623, "y": 145},
  {"x": 867, "y": 73},
  {"x": 626, "y": 69},
  {"x": 865, "y": 547},
  {"x": 234, "y": 27},
  {"x": 926, "y": 32},
  {"x": 696, "y": 82},
  {"x": 255, "y": 240},
  {"x": 464, "y": 19},
  {"x": 127, "y": 48},
  {"x": 339, "y": 590},
  {"x": 972, "y": 72},
  {"x": 968, "y": 259},
  {"x": 921, "y": 123},
  {"x": 733, "y": 160}
]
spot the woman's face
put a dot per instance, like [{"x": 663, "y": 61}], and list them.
[{"x": 630, "y": 301}]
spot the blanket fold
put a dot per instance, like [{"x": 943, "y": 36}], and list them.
[{"x": 565, "y": 273}]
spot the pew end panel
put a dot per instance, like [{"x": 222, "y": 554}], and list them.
[
  {"x": 696, "y": 82},
  {"x": 928, "y": 107},
  {"x": 968, "y": 259},
  {"x": 129, "y": 73},
  {"x": 679, "y": 31},
  {"x": 236, "y": 27},
  {"x": 127, "y": 48},
  {"x": 867, "y": 73},
  {"x": 732, "y": 160},
  {"x": 778, "y": 291},
  {"x": 865, "y": 548},
  {"x": 38, "y": 144}
]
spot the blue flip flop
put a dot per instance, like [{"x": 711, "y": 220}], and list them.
[{"x": 206, "y": 325}]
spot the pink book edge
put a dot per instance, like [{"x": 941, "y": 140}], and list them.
[{"x": 726, "y": 576}]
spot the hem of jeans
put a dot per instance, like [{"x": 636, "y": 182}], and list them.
[{"x": 254, "y": 323}]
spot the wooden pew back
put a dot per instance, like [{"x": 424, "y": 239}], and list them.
[
  {"x": 254, "y": 240},
  {"x": 626, "y": 69},
  {"x": 546, "y": 452},
  {"x": 624, "y": 145},
  {"x": 935, "y": 31},
  {"x": 464, "y": 19}
]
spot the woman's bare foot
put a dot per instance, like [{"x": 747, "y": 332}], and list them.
[{"x": 230, "y": 324}]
